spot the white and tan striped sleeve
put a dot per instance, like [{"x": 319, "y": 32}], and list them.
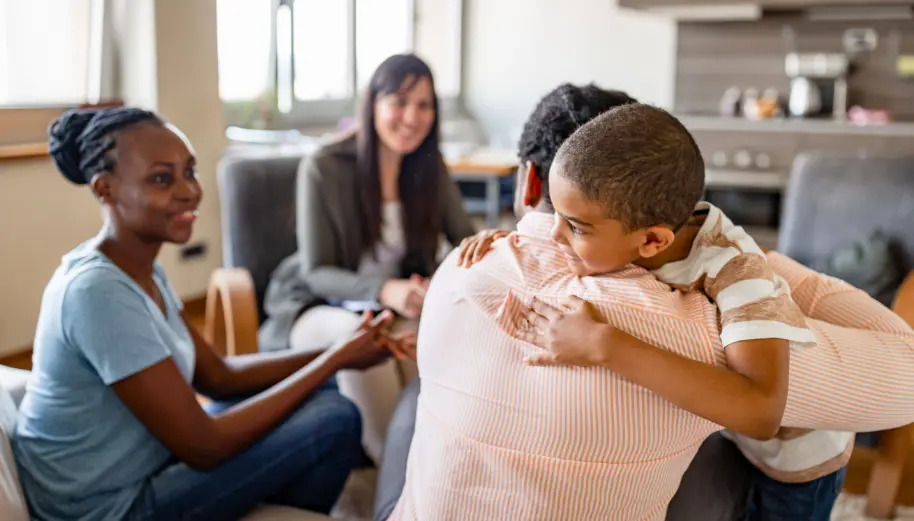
[{"x": 754, "y": 302}]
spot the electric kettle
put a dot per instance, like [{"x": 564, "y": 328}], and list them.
[{"x": 805, "y": 98}]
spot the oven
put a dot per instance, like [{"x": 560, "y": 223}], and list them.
[{"x": 751, "y": 198}]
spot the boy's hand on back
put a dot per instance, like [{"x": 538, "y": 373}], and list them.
[
  {"x": 474, "y": 248},
  {"x": 575, "y": 335}
]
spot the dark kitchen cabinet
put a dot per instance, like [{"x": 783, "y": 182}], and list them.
[
  {"x": 724, "y": 10},
  {"x": 641, "y": 4},
  {"x": 698, "y": 11},
  {"x": 787, "y": 4},
  {"x": 652, "y": 4}
]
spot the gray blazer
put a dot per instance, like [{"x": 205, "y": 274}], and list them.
[{"x": 329, "y": 242}]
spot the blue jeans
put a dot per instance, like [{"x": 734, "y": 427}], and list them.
[
  {"x": 811, "y": 501},
  {"x": 303, "y": 463}
]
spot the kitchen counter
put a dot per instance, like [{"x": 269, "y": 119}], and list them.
[{"x": 794, "y": 125}]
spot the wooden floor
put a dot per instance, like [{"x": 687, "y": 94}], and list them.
[
  {"x": 858, "y": 471},
  {"x": 858, "y": 475}
]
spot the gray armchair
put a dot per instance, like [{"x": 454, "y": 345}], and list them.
[
  {"x": 833, "y": 202},
  {"x": 257, "y": 194}
]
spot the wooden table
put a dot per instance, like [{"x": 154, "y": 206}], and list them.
[{"x": 487, "y": 166}]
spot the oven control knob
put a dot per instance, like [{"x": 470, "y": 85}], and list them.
[
  {"x": 743, "y": 159},
  {"x": 719, "y": 159}
]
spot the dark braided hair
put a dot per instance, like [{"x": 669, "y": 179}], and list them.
[
  {"x": 556, "y": 117},
  {"x": 79, "y": 140}
]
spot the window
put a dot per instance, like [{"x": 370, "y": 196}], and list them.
[
  {"x": 438, "y": 40},
  {"x": 306, "y": 61},
  {"x": 383, "y": 28},
  {"x": 319, "y": 42},
  {"x": 243, "y": 35},
  {"x": 46, "y": 51}
]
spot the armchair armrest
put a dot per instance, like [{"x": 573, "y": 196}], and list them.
[
  {"x": 231, "y": 312},
  {"x": 904, "y": 300}
]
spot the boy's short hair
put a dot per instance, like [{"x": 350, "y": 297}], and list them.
[{"x": 640, "y": 163}]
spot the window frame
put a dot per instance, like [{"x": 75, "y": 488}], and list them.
[
  {"x": 23, "y": 126},
  {"x": 328, "y": 112}
]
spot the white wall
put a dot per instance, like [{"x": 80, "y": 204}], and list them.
[
  {"x": 518, "y": 50},
  {"x": 187, "y": 82},
  {"x": 170, "y": 65},
  {"x": 437, "y": 41},
  {"x": 41, "y": 217}
]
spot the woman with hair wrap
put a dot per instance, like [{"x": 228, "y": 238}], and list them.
[{"x": 110, "y": 427}]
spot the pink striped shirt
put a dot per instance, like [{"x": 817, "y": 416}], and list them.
[{"x": 498, "y": 440}]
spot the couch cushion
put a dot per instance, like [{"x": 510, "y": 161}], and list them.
[
  {"x": 14, "y": 380},
  {"x": 867, "y": 264},
  {"x": 835, "y": 198},
  {"x": 7, "y": 410},
  {"x": 12, "y": 502}
]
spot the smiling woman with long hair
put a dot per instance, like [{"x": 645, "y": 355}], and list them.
[
  {"x": 110, "y": 427},
  {"x": 373, "y": 208}
]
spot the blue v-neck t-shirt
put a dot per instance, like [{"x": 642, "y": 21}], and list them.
[{"x": 81, "y": 453}]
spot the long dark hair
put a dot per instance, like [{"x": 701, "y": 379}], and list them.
[{"x": 420, "y": 171}]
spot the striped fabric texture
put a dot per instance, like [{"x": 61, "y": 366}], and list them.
[
  {"x": 727, "y": 264},
  {"x": 754, "y": 302},
  {"x": 496, "y": 439}
]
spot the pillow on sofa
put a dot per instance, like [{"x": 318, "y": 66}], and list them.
[
  {"x": 866, "y": 264},
  {"x": 12, "y": 502}
]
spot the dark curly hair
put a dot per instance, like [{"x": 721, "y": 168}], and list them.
[
  {"x": 79, "y": 140},
  {"x": 555, "y": 118}
]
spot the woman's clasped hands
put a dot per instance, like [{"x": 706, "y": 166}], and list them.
[{"x": 373, "y": 343}]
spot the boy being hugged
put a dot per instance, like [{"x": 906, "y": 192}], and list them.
[{"x": 627, "y": 189}]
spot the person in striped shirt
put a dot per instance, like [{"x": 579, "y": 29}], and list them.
[
  {"x": 717, "y": 466},
  {"x": 758, "y": 317},
  {"x": 498, "y": 439},
  {"x": 805, "y": 374}
]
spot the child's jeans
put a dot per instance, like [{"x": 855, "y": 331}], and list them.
[{"x": 812, "y": 501}]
